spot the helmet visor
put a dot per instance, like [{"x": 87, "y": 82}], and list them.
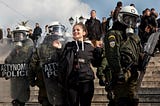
[
  {"x": 130, "y": 20},
  {"x": 57, "y": 29},
  {"x": 19, "y": 36}
]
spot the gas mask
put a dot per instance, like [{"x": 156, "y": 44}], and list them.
[{"x": 128, "y": 16}]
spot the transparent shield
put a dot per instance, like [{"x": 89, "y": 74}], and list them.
[
  {"x": 55, "y": 90},
  {"x": 40, "y": 40},
  {"x": 151, "y": 43},
  {"x": 6, "y": 47}
]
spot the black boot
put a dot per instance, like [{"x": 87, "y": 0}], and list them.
[
  {"x": 134, "y": 102},
  {"x": 45, "y": 102},
  {"x": 111, "y": 103},
  {"x": 22, "y": 104}
]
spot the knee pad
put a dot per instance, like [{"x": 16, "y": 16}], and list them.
[
  {"x": 134, "y": 102},
  {"x": 111, "y": 103}
]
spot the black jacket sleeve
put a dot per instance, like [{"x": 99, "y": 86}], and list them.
[{"x": 97, "y": 57}]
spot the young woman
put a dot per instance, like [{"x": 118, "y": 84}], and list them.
[{"x": 75, "y": 67}]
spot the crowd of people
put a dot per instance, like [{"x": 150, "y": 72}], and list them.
[{"x": 64, "y": 72}]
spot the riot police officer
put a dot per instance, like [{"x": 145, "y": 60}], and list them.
[
  {"x": 19, "y": 58},
  {"x": 122, "y": 53},
  {"x": 44, "y": 64}
]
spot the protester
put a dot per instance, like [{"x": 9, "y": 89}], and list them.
[
  {"x": 116, "y": 10},
  {"x": 76, "y": 73},
  {"x": 37, "y": 32},
  {"x": 94, "y": 28}
]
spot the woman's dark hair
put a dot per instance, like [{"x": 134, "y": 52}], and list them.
[{"x": 93, "y": 10}]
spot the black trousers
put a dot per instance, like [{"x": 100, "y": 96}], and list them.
[{"x": 81, "y": 94}]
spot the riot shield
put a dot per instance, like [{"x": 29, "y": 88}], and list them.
[
  {"x": 149, "y": 50},
  {"x": 40, "y": 40},
  {"x": 6, "y": 47},
  {"x": 151, "y": 43},
  {"x": 55, "y": 91},
  {"x": 15, "y": 69}
]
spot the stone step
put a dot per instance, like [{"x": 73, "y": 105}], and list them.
[
  {"x": 93, "y": 104},
  {"x": 100, "y": 98},
  {"x": 149, "y": 104},
  {"x": 143, "y": 98},
  {"x": 153, "y": 71},
  {"x": 141, "y": 91},
  {"x": 151, "y": 78},
  {"x": 153, "y": 91},
  {"x": 33, "y": 98},
  {"x": 154, "y": 98},
  {"x": 27, "y": 104},
  {"x": 145, "y": 84},
  {"x": 150, "y": 84},
  {"x": 100, "y": 91},
  {"x": 99, "y": 104}
]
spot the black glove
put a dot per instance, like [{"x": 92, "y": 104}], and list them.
[
  {"x": 6, "y": 78},
  {"x": 101, "y": 83}
]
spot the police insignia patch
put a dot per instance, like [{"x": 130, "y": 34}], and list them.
[
  {"x": 111, "y": 37},
  {"x": 112, "y": 44}
]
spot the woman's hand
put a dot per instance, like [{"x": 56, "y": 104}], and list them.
[{"x": 57, "y": 44}]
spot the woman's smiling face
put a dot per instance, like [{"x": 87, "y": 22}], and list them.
[{"x": 78, "y": 33}]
